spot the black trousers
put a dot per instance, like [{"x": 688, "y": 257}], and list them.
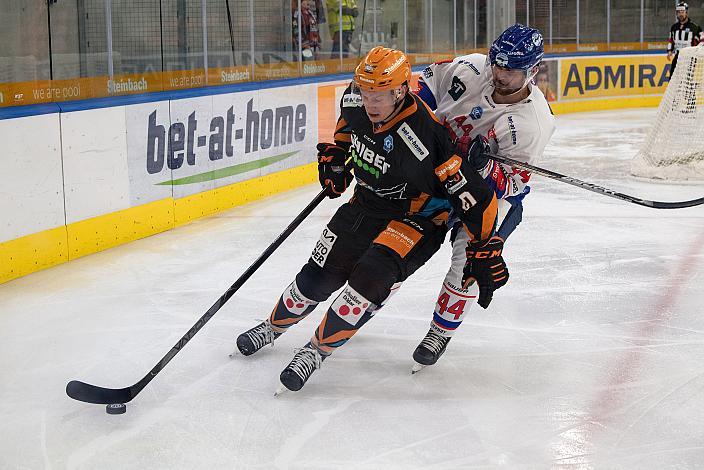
[{"x": 673, "y": 64}]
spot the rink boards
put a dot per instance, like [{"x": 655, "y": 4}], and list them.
[
  {"x": 82, "y": 177},
  {"x": 81, "y": 181}
]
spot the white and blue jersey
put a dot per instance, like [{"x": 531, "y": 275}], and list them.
[{"x": 459, "y": 91}]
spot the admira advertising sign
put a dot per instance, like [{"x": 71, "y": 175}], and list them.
[{"x": 613, "y": 76}]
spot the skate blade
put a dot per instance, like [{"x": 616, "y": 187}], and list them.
[
  {"x": 280, "y": 390},
  {"x": 417, "y": 368}
]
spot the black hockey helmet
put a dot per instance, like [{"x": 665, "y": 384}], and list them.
[{"x": 682, "y": 6}]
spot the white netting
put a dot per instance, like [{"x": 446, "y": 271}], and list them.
[{"x": 674, "y": 148}]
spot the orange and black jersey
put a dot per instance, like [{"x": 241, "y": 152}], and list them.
[{"x": 408, "y": 166}]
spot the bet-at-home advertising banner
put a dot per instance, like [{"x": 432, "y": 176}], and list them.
[{"x": 187, "y": 146}]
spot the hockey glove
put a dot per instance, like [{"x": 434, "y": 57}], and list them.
[
  {"x": 485, "y": 265},
  {"x": 478, "y": 153},
  {"x": 474, "y": 150},
  {"x": 333, "y": 175}
]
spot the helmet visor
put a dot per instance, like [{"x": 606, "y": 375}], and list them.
[{"x": 379, "y": 99}]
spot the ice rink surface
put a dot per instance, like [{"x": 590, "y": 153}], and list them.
[{"x": 592, "y": 357}]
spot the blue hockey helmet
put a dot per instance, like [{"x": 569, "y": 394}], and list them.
[{"x": 518, "y": 47}]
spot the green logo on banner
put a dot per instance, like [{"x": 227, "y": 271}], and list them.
[{"x": 229, "y": 171}]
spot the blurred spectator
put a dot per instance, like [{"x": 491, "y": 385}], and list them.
[
  {"x": 349, "y": 13},
  {"x": 542, "y": 81},
  {"x": 683, "y": 34},
  {"x": 320, "y": 11},
  {"x": 310, "y": 35}
]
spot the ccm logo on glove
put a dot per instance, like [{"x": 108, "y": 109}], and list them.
[{"x": 487, "y": 267}]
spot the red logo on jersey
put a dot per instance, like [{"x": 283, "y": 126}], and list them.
[
  {"x": 523, "y": 174},
  {"x": 492, "y": 134}
]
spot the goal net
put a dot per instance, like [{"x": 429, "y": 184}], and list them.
[{"x": 674, "y": 147}]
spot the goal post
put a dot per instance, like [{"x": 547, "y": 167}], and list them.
[{"x": 674, "y": 147}]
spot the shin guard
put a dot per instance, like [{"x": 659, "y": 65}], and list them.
[
  {"x": 291, "y": 308},
  {"x": 348, "y": 312}
]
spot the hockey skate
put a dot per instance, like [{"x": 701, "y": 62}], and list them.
[
  {"x": 304, "y": 362},
  {"x": 429, "y": 350},
  {"x": 256, "y": 338}
]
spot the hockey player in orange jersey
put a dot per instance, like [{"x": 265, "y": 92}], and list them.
[{"x": 408, "y": 178}]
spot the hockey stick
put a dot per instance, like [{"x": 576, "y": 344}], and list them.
[
  {"x": 232, "y": 36},
  {"x": 364, "y": 14},
  {"x": 596, "y": 188},
  {"x": 100, "y": 395}
]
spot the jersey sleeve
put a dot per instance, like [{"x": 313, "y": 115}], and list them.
[
  {"x": 431, "y": 80},
  {"x": 426, "y": 94},
  {"x": 351, "y": 100},
  {"x": 470, "y": 196}
]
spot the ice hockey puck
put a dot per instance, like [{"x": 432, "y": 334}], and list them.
[{"x": 116, "y": 408}]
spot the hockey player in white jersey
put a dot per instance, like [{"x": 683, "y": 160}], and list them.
[{"x": 489, "y": 104}]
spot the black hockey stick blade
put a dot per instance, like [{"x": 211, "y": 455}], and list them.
[
  {"x": 88, "y": 393},
  {"x": 598, "y": 189}
]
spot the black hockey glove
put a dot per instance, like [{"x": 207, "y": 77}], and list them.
[
  {"x": 333, "y": 175},
  {"x": 474, "y": 150},
  {"x": 485, "y": 265}
]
